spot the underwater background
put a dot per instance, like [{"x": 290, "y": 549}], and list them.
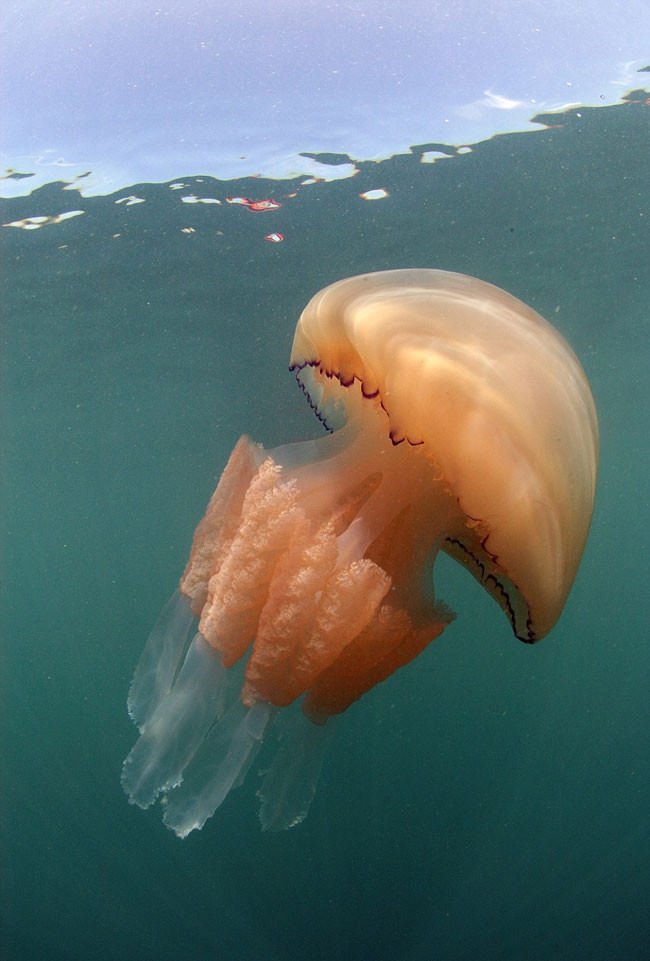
[{"x": 491, "y": 799}]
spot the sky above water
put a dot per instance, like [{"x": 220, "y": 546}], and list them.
[{"x": 137, "y": 91}]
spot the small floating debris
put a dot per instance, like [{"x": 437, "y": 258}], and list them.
[
  {"x": 379, "y": 194},
  {"x": 34, "y": 223},
  {"x": 193, "y": 199},
  {"x": 129, "y": 201},
  {"x": 257, "y": 206},
  {"x": 274, "y": 238},
  {"x": 260, "y": 205}
]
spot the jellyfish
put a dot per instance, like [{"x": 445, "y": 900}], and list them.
[{"x": 455, "y": 419}]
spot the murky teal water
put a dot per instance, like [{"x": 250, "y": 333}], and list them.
[{"x": 490, "y": 801}]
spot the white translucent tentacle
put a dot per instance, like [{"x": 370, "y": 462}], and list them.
[
  {"x": 161, "y": 658},
  {"x": 290, "y": 783},
  {"x": 198, "y": 741},
  {"x": 219, "y": 767},
  {"x": 177, "y": 727}
]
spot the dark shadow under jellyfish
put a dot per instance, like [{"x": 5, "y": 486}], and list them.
[{"x": 458, "y": 420}]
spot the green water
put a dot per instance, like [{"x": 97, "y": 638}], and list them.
[{"x": 491, "y": 801}]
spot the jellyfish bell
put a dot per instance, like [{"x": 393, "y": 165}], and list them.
[{"x": 459, "y": 420}]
